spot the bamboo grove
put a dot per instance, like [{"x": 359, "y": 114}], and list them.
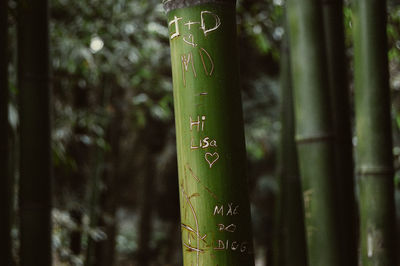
[{"x": 334, "y": 181}]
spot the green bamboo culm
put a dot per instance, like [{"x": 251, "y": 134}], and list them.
[
  {"x": 94, "y": 193},
  {"x": 374, "y": 139},
  {"x": 5, "y": 177},
  {"x": 34, "y": 113},
  {"x": 314, "y": 131},
  {"x": 339, "y": 92},
  {"x": 291, "y": 249},
  {"x": 215, "y": 213}
]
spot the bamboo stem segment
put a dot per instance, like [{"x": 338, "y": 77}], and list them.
[
  {"x": 215, "y": 213},
  {"x": 374, "y": 139},
  {"x": 339, "y": 94},
  {"x": 314, "y": 129},
  {"x": 5, "y": 173},
  {"x": 35, "y": 152},
  {"x": 292, "y": 240}
]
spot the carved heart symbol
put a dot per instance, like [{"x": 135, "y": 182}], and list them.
[
  {"x": 211, "y": 158},
  {"x": 190, "y": 40}
]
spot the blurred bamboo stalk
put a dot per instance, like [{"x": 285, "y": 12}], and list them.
[
  {"x": 314, "y": 131},
  {"x": 35, "y": 138},
  {"x": 5, "y": 152},
  {"x": 291, "y": 240},
  {"x": 339, "y": 94},
  {"x": 374, "y": 135}
]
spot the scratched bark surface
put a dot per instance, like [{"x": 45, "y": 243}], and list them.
[
  {"x": 374, "y": 137},
  {"x": 215, "y": 213}
]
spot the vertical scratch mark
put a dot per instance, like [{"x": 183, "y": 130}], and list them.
[
  {"x": 183, "y": 72},
  {"x": 185, "y": 66},
  {"x": 197, "y": 226},
  {"x": 204, "y": 64}
]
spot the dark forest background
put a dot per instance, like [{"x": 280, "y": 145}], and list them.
[{"x": 115, "y": 181}]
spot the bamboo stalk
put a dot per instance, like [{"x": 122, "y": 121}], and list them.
[
  {"x": 35, "y": 154},
  {"x": 314, "y": 131},
  {"x": 5, "y": 173},
  {"x": 339, "y": 93},
  {"x": 94, "y": 193},
  {"x": 215, "y": 213},
  {"x": 374, "y": 139},
  {"x": 291, "y": 231}
]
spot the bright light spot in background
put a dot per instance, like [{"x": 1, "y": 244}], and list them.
[
  {"x": 130, "y": 28},
  {"x": 133, "y": 57},
  {"x": 140, "y": 98},
  {"x": 257, "y": 29},
  {"x": 96, "y": 44},
  {"x": 354, "y": 141},
  {"x": 278, "y": 33},
  {"x": 278, "y": 2},
  {"x": 157, "y": 28},
  {"x": 159, "y": 8}
]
